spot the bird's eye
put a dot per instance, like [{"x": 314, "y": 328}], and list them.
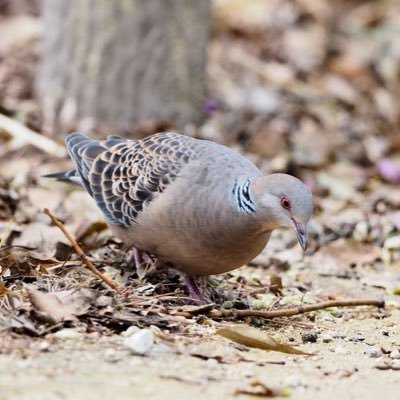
[{"x": 285, "y": 203}]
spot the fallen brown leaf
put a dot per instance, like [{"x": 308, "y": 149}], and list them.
[
  {"x": 58, "y": 307},
  {"x": 4, "y": 291},
  {"x": 253, "y": 337}
]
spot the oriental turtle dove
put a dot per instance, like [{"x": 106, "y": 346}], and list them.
[{"x": 194, "y": 204}]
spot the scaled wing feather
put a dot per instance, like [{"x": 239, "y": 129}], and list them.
[{"x": 124, "y": 176}]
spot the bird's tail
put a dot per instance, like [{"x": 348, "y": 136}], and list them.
[{"x": 70, "y": 176}]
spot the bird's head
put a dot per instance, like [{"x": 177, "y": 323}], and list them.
[{"x": 283, "y": 201}]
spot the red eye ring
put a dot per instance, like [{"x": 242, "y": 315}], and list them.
[{"x": 285, "y": 203}]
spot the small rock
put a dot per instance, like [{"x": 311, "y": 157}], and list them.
[
  {"x": 361, "y": 231},
  {"x": 227, "y": 305},
  {"x": 326, "y": 338},
  {"x": 373, "y": 352},
  {"x": 44, "y": 346},
  {"x": 140, "y": 342},
  {"x": 383, "y": 366},
  {"x": 111, "y": 356},
  {"x": 396, "y": 365},
  {"x": 310, "y": 337},
  {"x": 337, "y": 335},
  {"x": 68, "y": 334},
  {"x": 392, "y": 243},
  {"x": 395, "y": 354}
]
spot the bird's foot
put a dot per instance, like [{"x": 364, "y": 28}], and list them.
[
  {"x": 195, "y": 293},
  {"x": 145, "y": 263}
]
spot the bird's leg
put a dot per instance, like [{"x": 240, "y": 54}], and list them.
[
  {"x": 136, "y": 257},
  {"x": 195, "y": 293},
  {"x": 144, "y": 263}
]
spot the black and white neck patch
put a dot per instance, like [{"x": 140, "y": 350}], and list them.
[{"x": 242, "y": 198}]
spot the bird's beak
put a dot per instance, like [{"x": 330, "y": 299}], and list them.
[{"x": 301, "y": 233}]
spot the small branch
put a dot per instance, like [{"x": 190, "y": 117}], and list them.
[
  {"x": 287, "y": 312},
  {"x": 26, "y": 135},
  {"x": 81, "y": 254},
  {"x": 5, "y": 233}
]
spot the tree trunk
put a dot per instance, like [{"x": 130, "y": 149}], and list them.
[{"x": 123, "y": 62}]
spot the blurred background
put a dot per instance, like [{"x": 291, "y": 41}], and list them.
[
  {"x": 307, "y": 84},
  {"x": 306, "y": 87}
]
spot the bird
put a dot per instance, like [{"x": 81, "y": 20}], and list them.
[{"x": 193, "y": 204}]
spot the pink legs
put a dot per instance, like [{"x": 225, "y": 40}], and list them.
[
  {"x": 144, "y": 263},
  {"x": 195, "y": 293}
]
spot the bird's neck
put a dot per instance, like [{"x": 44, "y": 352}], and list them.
[{"x": 243, "y": 197}]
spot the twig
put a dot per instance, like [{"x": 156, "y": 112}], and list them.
[
  {"x": 287, "y": 312},
  {"x": 82, "y": 255},
  {"x": 5, "y": 233},
  {"x": 26, "y": 135}
]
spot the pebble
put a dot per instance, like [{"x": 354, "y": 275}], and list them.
[
  {"x": 227, "y": 305},
  {"x": 373, "y": 352},
  {"x": 44, "y": 346},
  {"x": 326, "y": 338},
  {"x": 361, "y": 230},
  {"x": 392, "y": 242},
  {"x": 140, "y": 342},
  {"x": 337, "y": 335},
  {"x": 111, "y": 355},
  {"x": 68, "y": 334},
  {"x": 358, "y": 338},
  {"x": 396, "y": 365},
  {"x": 395, "y": 354},
  {"x": 310, "y": 337}
]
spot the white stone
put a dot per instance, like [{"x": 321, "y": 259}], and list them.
[
  {"x": 140, "y": 342},
  {"x": 68, "y": 334},
  {"x": 374, "y": 352},
  {"x": 392, "y": 242}
]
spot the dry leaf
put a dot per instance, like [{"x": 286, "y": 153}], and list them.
[
  {"x": 253, "y": 337},
  {"x": 21, "y": 261},
  {"x": 40, "y": 236},
  {"x": 50, "y": 306},
  {"x": 5, "y": 291}
]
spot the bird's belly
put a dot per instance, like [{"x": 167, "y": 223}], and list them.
[{"x": 191, "y": 255}]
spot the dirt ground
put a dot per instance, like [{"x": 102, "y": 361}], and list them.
[
  {"x": 354, "y": 357},
  {"x": 100, "y": 368}
]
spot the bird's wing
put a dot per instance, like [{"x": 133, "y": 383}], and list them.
[{"x": 124, "y": 176}]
